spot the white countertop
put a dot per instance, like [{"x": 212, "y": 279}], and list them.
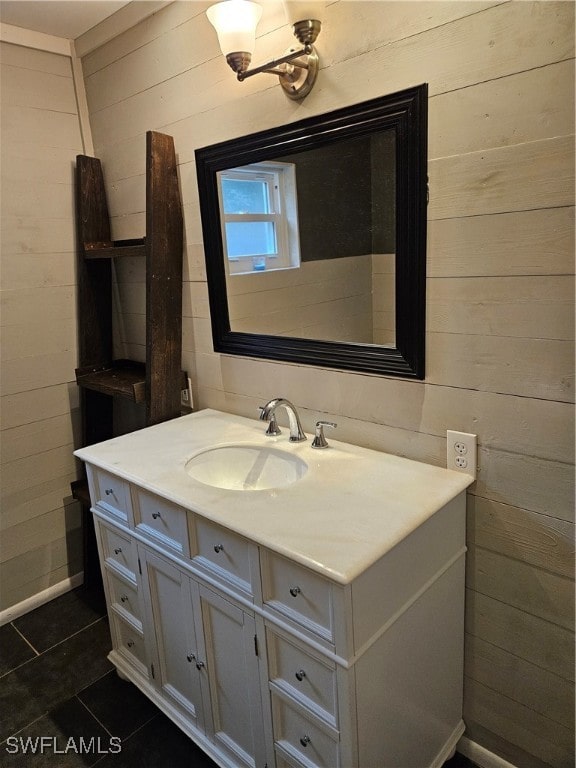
[{"x": 352, "y": 506}]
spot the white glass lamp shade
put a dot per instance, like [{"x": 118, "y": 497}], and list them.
[
  {"x": 301, "y": 10},
  {"x": 235, "y": 22}
]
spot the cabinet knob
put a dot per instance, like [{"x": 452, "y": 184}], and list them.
[
  {"x": 118, "y": 550},
  {"x": 130, "y": 643},
  {"x": 109, "y": 491},
  {"x": 305, "y": 740},
  {"x": 155, "y": 515},
  {"x": 199, "y": 664},
  {"x": 300, "y": 675},
  {"x": 218, "y": 548},
  {"x": 124, "y": 598},
  {"x": 191, "y": 657},
  {"x": 295, "y": 591}
]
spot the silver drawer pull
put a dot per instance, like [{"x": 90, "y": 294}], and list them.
[
  {"x": 118, "y": 550},
  {"x": 109, "y": 491},
  {"x": 305, "y": 740},
  {"x": 199, "y": 664},
  {"x": 155, "y": 515},
  {"x": 300, "y": 675},
  {"x": 130, "y": 643},
  {"x": 124, "y": 598},
  {"x": 295, "y": 591},
  {"x": 218, "y": 548},
  {"x": 191, "y": 657}
]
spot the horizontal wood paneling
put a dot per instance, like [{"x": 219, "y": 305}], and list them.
[
  {"x": 30, "y": 573},
  {"x": 22, "y": 375},
  {"x": 528, "y": 536},
  {"x": 35, "y": 339},
  {"x": 522, "y": 586},
  {"x": 41, "y": 90},
  {"x": 26, "y": 124},
  {"x": 40, "y": 436},
  {"x": 33, "y": 235},
  {"x": 538, "y": 242},
  {"x": 38, "y": 61},
  {"x": 528, "y": 482},
  {"x": 36, "y": 499},
  {"x": 512, "y": 676},
  {"x": 41, "y": 536},
  {"x": 25, "y": 407},
  {"x": 534, "y": 734},
  {"x": 29, "y": 305},
  {"x": 39, "y": 531},
  {"x": 35, "y": 270},
  {"x": 500, "y": 261},
  {"x": 486, "y": 114},
  {"x": 55, "y": 462},
  {"x": 540, "y": 642},
  {"x": 539, "y": 174},
  {"x": 539, "y": 368},
  {"x": 528, "y": 307}
]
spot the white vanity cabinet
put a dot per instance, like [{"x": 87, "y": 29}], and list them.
[
  {"x": 258, "y": 647},
  {"x": 205, "y": 659}
]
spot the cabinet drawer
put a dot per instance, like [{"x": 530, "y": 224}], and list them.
[
  {"x": 111, "y": 494},
  {"x": 224, "y": 555},
  {"x": 130, "y": 644},
  {"x": 297, "y": 737},
  {"x": 118, "y": 551},
  {"x": 298, "y": 594},
  {"x": 302, "y": 675},
  {"x": 161, "y": 521},
  {"x": 124, "y": 598}
]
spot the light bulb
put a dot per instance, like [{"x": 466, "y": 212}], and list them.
[
  {"x": 235, "y": 22},
  {"x": 303, "y": 10}
]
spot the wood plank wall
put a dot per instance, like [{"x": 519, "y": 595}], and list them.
[
  {"x": 40, "y": 525},
  {"x": 500, "y": 292}
]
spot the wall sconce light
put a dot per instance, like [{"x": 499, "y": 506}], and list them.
[{"x": 235, "y": 22}]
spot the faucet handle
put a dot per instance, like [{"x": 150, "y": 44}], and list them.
[
  {"x": 273, "y": 429},
  {"x": 319, "y": 439}
]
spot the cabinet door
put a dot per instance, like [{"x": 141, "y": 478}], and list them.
[
  {"x": 170, "y": 614},
  {"x": 232, "y": 666}
]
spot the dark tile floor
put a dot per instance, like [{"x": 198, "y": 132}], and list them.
[{"x": 62, "y": 705}]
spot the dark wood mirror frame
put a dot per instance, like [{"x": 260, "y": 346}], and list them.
[{"x": 404, "y": 112}]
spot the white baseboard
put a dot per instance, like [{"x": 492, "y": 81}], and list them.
[
  {"x": 15, "y": 611},
  {"x": 480, "y": 755}
]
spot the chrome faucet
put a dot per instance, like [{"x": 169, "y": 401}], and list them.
[{"x": 268, "y": 413}]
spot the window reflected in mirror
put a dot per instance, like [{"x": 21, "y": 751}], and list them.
[{"x": 323, "y": 221}]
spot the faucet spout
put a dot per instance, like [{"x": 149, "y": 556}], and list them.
[{"x": 267, "y": 413}]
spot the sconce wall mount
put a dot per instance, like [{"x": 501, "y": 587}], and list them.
[{"x": 235, "y": 22}]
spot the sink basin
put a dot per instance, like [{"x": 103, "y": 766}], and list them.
[{"x": 246, "y": 467}]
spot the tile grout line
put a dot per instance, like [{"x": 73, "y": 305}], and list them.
[
  {"x": 87, "y": 708},
  {"x": 130, "y": 735},
  {"x": 36, "y": 719},
  {"x": 92, "y": 623},
  {"x": 38, "y": 653}
]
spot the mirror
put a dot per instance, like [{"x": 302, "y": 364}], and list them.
[{"x": 315, "y": 238}]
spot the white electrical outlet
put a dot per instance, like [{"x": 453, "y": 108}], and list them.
[
  {"x": 461, "y": 452},
  {"x": 186, "y": 397}
]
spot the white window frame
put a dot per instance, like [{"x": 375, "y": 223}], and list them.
[{"x": 280, "y": 179}]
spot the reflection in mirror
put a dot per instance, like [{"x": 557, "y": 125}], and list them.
[
  {"x": 319, "y": 260},
  {"x": 315, "y": 238}
]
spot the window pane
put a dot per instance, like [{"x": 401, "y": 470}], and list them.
[
  {"x": 250, "y": 238},
  {"x": 245, "y": 196}
]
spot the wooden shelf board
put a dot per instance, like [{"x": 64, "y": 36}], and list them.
[
  {"x": 121, "y": 378},
  {"x": 112, "y": 250},
  {"x": 80, "y": 492}
]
